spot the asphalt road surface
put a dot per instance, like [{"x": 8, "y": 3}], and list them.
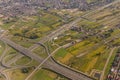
[{"x": 49, "y": 65}]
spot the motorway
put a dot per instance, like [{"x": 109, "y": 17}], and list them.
[
  {"x": 55, "y": 67},
  {"x": 40, "y": 65},
  {"x": 60, "y": 31},
  {"x": 49, "y": 65},
  {"x": 66, "y": 27},
  {"x": 56, "y": 33}
]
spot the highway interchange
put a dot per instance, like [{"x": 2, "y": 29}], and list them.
[
  {"x": 69, "y": 73},
  {"x": 52, "y": 66}
]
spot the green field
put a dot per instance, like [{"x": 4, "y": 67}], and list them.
[
  {"x": 91, "y": 40},
  {"x": 46, "y": 75},
  {"x": 2, "y": 47}
]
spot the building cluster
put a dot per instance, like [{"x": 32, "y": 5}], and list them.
[
  {"x": 114, "y": 73},
  {"x": 14, "y": 7}
]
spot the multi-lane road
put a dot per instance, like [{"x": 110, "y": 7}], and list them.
[
  {"x": 66, "y": 27},
  {"x": 61, "y": 30},
  {"x": 49, "y": 65}
]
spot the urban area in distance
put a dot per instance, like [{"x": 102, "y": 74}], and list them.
[{"x": 59, "y": 39}]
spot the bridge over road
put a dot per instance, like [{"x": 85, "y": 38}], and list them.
[{"x": 73, "y": 75}]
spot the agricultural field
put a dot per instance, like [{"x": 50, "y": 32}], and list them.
[
  {"x": 52, "y": 44},
  {"x": 32, "y": 28},
  {"x": 87, "y": 55},
  {"x": 108, "y": 16},
  {"x": 46, "y": 75},
  {"x": 2, "y": 47},
  {"x": 21, "y": 74},
  {"x": 92, "y": 40},
  {"x": 40, "y": 51}
]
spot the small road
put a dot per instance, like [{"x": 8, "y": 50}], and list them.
[
  {"x": 59, "y": 31},
  {"x": 117, "y": 73},
  {"x": 55, "y": 33},
  {"x": 73, "y": 75},
  {"x": 39, "y": 66},
  {"x": 13, "y": 60},
  {"x": 5, "y": 51},
  {"x": 5, "y": 75},
  {"x": 103, "y": 72},
  {"x": 55, "y": 67},
  {"x": 66, "y": 27}
]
